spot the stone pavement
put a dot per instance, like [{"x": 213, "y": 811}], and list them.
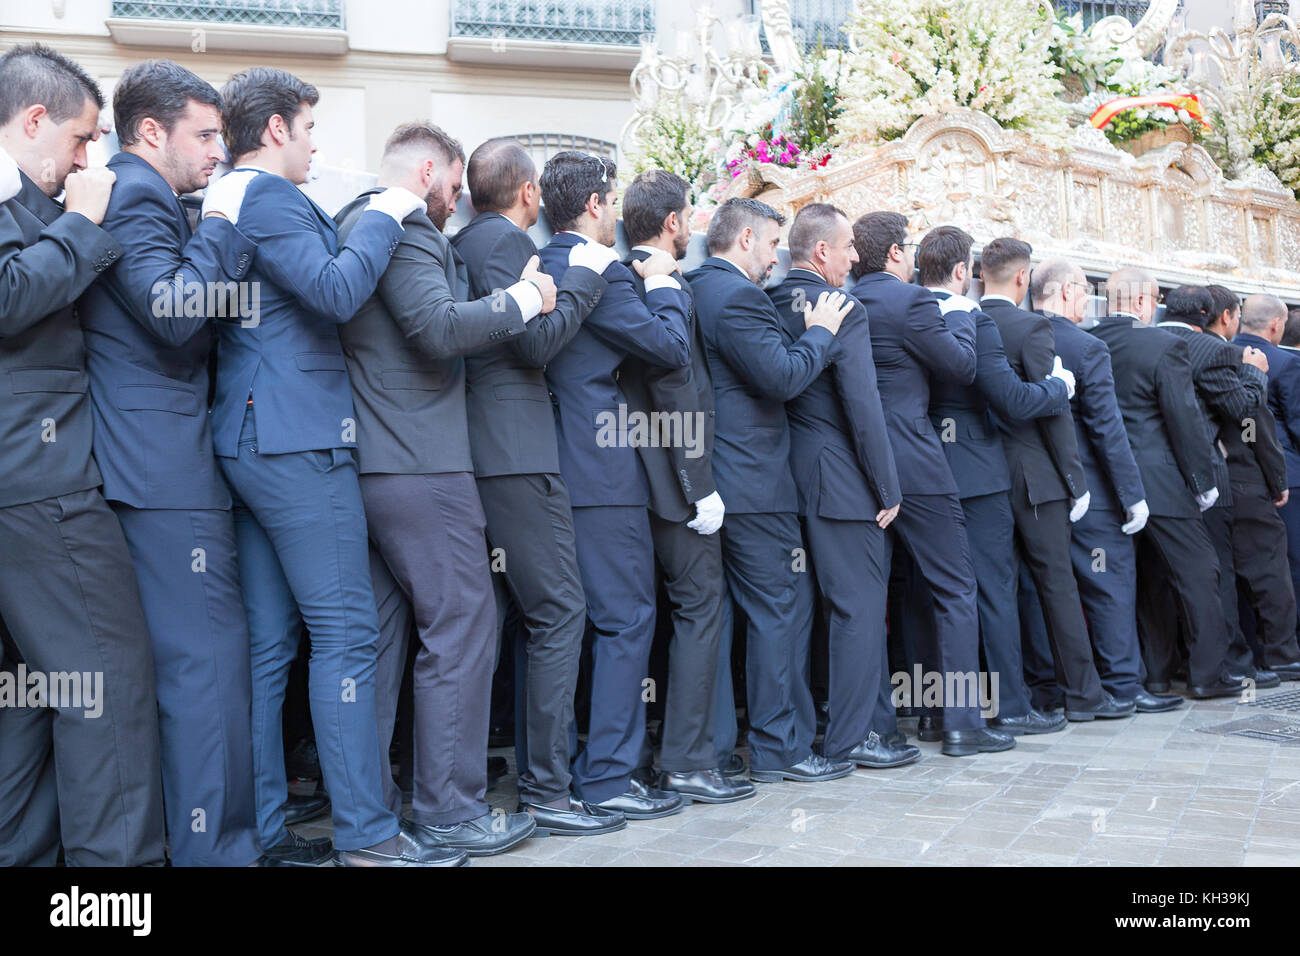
[{"x": 1148, "y": 790}]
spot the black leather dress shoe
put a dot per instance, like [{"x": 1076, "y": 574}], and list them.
[
  {"x": 1149, "y": 703},
  {"x": 1283, "y": 671},
  {"x": 1262, "y": 679},
  {"x": 410, "y": 852},
  {"x": 1158, "y": 687},
  {"x": 895, "y": 738},
  {"x": 981, "y": 740},
  {"x": 812, "y": 769},
  {"x": 706, "y": 786},
  {"x": 580, "y": 819},
  {"x": 1034, "y": 722},
  {"x": 294, "y": 850},
  {"x": 875, "y": 754},
  {"x": 643, "y": 802},
  {"x": 497, "y": 767},
  {"x": 1108, "y": 709},
  {"x": 301, "y": 809},
  {"x": 1220, "y": 688},
  {"x": 734, "y": 767},
  {"x": 483, "y": 836},
  {"x": 927, "y": 729}
]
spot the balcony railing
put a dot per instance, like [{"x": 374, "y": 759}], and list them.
[
  {"x": 311, "y": 14},
  {"x": 1094, "y": 10},
  {"x": 815, "y": 22},
  {"x": 603, "y": 22}
]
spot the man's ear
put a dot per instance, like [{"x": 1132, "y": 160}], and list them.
[{"x": 278, "y": 130}]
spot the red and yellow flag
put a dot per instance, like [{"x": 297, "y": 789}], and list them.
[{"x": 1178, "y": 101}]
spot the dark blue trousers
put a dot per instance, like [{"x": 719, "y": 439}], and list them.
[
  {"x": 186, "y": 566},
  {"x": 1105, "y": 568},
  {"x": 769, "y": 577},
  {"x": 301, "y": 530},
  {"x": 617, "y": 564}
]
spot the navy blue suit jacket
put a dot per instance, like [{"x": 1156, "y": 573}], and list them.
[
  {"x": 963, "y": 414},
  {"x": 290, "y": 361},
  {"x": 147, "y": 353},
  {"x": 1112, "y": 473},
  {"x": 598, "y": 462},
  {"x": 839, "y": 447},
  {"x": 757, "y": 366},
  {"x": 1283, "y": 398},
  {"x": 910, "y": 343}
]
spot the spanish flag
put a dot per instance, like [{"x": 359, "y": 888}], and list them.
[{"x": 1178, "y": 101}]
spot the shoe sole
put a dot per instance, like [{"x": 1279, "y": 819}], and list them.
[
  {"x": 887, "y": 766},
  {"x": 423, "y": 866},
  {"x": 776, "y": 776},
  {"x": 930, "y": 737},
  {"x": 972, "y": 750},
  {"x": 1173, "y": 705},
  {"x": 695, "y": 798},
  {"x": 475, "y": 851},
  {"x": 655, "y": 815},
  {"x": 542, "y": 831},
  {"x": 1079, "y": 717},
  {"x": 1027, "y": 732}
]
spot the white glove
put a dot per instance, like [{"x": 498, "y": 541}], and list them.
[
  {"x": 1137, "y": 517},
  {"x": 1207, "y": 500},
  {"x": 226, "y": 195},
  {"x": 11, "y": 184},
  {"x": 1079, "y": 506},
  {"x": 708, "y": 514},
  {"x": 595, "y": 256},
  {"x": 396, "y": 201},
  {"x": 1064, "y": 374}
]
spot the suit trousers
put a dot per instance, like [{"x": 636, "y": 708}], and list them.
[
  {"x": 1176, "y": 554},
  {"x": 188, "y": 573},
  {"x": 1105, "y": 570},
  {"x": 429, "y": 533},
  {"x": 1259, "y": 551},
  {"x": 616, "y": 560},
  {"x": 768, "y": 576},
  {"x": 1035, "y": 649},
  {"x": 85, "y": 772},
  {"x": 697, "y": 590},
  {"x": 932, "y": 530},
  {"x": 1290, "y": 514},
  {"x": 530, "y": 525},
  {"x": 301, "y": 528},
  {"x": 851, "y": 563},
  {"x": 1218, "y": 523},
  {"x": 1044, "y": 533}
]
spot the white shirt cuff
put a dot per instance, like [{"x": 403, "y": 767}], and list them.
[
  {"x": 661, "y": 282},
  {"x": 527, "y": 297}
]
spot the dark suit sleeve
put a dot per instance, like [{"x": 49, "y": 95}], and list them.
[
  {"x": 947, "y": 349},
  {"x": 653, "y": 330},
  {"x": 420, "y": 299},
  {"x": 1038, "y": 352},
  {"x": 1177, "y": 397},
  {"x": 1288, "y": 392},
  {"x": 1228, "y": 390},
  {"x": 1099, "y": 415},
  {"x": 155, "y": 272},
  {"x": 1009, "y": 396},
  {"x": 748, "y": 337},
  {"x": 854, "y": 373},
  {"x": 291, "y": 251},
  {"x": 1269, "y": 454},
  {"x": 51, "y": 272}
]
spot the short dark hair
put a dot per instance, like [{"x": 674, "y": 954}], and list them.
[
  {"x": 568, "y": 180},
  {"x": 1291, "y": 332},
  {"x": 426, "y": 135},
  {"x": 159, "y": 89},
  {"x": 252, "y": 97},
  {"x": 1192, "y": 304},
  {"x": 733, "y": 217},
  {"x": 33, "y": 73},
  {"x": 1002, "y": 258},
  {"x": 650, "y": 199},
  {"x": 942, "y": 250},
  {"x": 495, "y": 172},
  {"x": 811, "y": 225},
  {"x": 874, "y": 234},
  {"x": 1224, "y": 299}
]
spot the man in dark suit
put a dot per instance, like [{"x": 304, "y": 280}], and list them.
[
  {"x": 912, "y": 344},
  {"x": 756, "y": 367},
  {"x": 848, "y": 489},
  {"x": 284, "y": 428},
  {"x": 1153, "y": 385},
  {"x": 1049, "y": 490},
  {"x": 525, "y": 500},
  {"x": 84, "y": 773},
  {"x": 429, "y": 555},
  {"x": 963, "y": 415},
  {"x": 1262, "y": 325},
  {"x": 686, "y": 510},
  {"x": 1101, "y": 543},
  {"x": 147, "y": 354},
  {"x": 605, "y": 476}
]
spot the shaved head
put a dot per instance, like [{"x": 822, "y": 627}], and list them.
[
  {"x": 1133, "y": 290},
  {"x": 1259, "y": 311}
]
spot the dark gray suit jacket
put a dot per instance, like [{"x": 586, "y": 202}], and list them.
[{"x": 47, "y": 259}]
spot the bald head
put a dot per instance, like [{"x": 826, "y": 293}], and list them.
[
  {"x": 1265, "y": 316},
  {"x": 1061, "y": 287},
  {"x": 1134, "y": 291}
]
